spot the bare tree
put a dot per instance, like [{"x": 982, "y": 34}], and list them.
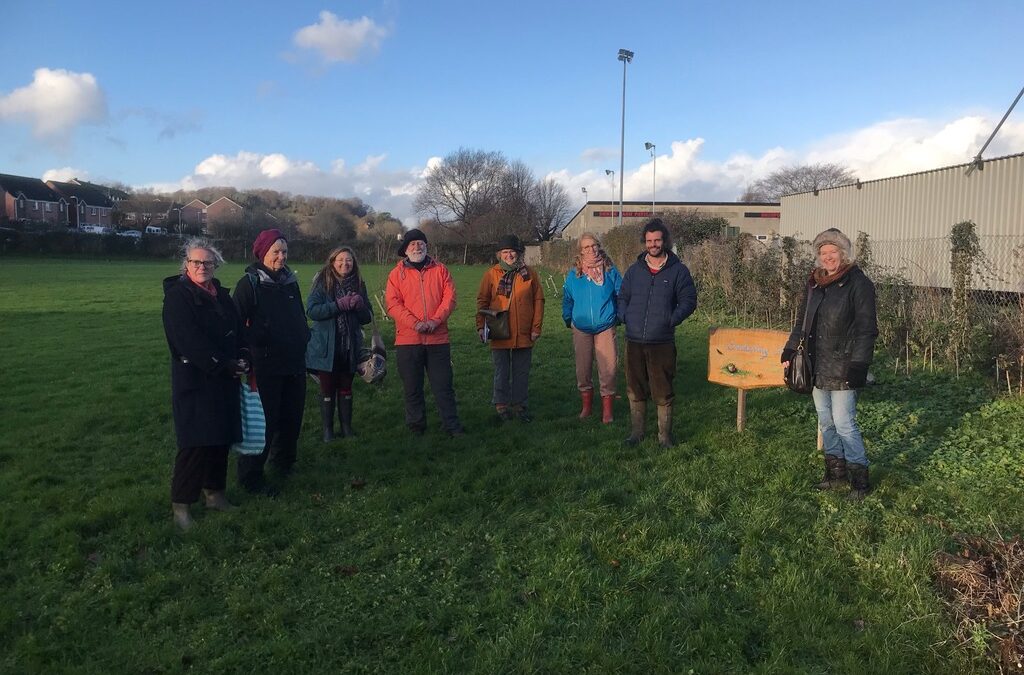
[
  {"x": 514, "y": 209},
  {"x": 462, "y": 189},
  {"x": 551, "y": 208},
  {"x": 793, "y": 179}
]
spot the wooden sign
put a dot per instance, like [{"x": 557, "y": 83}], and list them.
[{"x": 745, "y": 358}]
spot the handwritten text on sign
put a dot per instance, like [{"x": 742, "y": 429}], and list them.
[{"x": 745, "y": 358}]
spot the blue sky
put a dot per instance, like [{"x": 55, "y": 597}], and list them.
[{"x": 358, "y": 98}]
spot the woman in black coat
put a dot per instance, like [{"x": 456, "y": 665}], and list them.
[
  {"x": 270, "y": 305},
  {"x": 203, "y": 333},
  {"x": 842, "y": 327}
]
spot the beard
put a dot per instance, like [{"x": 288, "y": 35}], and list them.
[{"x": 417, "y": 257}]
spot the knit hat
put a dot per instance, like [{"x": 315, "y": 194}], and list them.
[
  {"x": 837, "y": 239},
  {"x": 509, "y": 241},
  {"x": 265, "y": 241},
  {"x": 409, "y": 237}
]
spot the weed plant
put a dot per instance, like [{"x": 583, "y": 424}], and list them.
[{"x": 543, "y": 547}]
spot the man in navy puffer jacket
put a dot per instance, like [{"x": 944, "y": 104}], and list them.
[{"x": 657, "y": 295}]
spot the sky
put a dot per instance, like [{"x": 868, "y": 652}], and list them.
[{"x": 359, "y": 99}]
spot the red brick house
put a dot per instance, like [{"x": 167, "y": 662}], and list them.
[
  {"x": 87, "y": 205},
  {"x": 224, "y": 210},
  {"x": 30, "y": 199},
  {"x": 194, "y": 213}
]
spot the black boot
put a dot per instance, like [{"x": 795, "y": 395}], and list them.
[
  {"x": 345, "y": 415},
  {"x": 859, "y": 487},
  {"x": 835, "y": 473},
  {"x": 327, "y": 415}
]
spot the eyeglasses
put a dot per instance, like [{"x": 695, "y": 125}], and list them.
[{"x": 205, "y": 264}]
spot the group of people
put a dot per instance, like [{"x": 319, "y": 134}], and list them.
[{"x": 259, "y": 335}]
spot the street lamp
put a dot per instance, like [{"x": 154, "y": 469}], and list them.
[
  {"x": 625, "y": 56},
  {"x": 654, "y": 174},
  {"x": 609, "y": 172},
  {"x": 586, "y": 198}
]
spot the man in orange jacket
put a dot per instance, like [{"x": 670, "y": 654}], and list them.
[{"x": 420, "y": 297}]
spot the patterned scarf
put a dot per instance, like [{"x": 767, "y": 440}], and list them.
[
  {"x": 343, "y": 336},
  {"x": 505, "y": 284},
  {"x": 822, "y": 278},
  {"x": 592, "y": 264}
]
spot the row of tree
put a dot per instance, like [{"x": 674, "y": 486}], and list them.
[{"x": 478, "y": 195}]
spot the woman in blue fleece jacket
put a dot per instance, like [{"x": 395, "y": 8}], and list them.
[{"x": 589, "y": 309}]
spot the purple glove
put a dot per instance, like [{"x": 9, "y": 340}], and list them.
[{"x": 347, "y": 303}]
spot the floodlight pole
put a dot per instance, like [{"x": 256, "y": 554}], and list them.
[{"x": 625, "y": 56}]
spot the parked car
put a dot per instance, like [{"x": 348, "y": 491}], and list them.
[
  {"x": 97, "y": 229},
  {"x": 153, "y": 229},
  {"x": 134, "y": 234}
]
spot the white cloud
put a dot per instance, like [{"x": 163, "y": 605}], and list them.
[
  {"x": 64, "y": 174},
  {"x": 55, "y": 103},
  {"x": 887, "y": 148},
  {"x": 598, "y": 155},
  {"x": 336, "y": 39},
  {"x": 384, "y": 190}
]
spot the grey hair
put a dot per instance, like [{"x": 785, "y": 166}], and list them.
[{"x": 199, "y": 243}]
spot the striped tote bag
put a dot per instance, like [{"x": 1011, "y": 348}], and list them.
[{"x": 254, "y": 424}]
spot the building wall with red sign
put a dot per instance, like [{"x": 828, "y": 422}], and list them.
[{"x": 758, "y": 219}]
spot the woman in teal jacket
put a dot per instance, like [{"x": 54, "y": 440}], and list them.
[
  {"x": 339, "y": 305},
  {"x": 588, "y": 308}
]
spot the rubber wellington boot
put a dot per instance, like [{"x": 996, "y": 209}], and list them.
[
  {"x": 587, "y": 397},
  {"x": 607, "y": 403},
  {"x": 835, "y": 473},
  {"x": 217, "y": 500},
  {"x": 665, "y": 439},
  {"x": 182, "y": 517},
  {"x": 637, "y": 420},
  {"x": 327, "y": 417},
  {"x": 345, "y": 415}
]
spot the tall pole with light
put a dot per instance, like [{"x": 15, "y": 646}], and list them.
[
  {"x": 609, "y": 172},
  {"x": 654, "y": 175},
  {"x": 625, "y": 56}
]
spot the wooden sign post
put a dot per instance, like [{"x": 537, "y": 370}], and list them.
[{"x": 745, "y": 358}]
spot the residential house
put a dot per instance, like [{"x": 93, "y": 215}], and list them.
[
  {"x": 142, "y": 209},
  {"x": 224, "y": 210},
  {"x": 194, "y": 213},
  {"x": 113, "y": 194},
  {"x": 87, "y": 205},
  {"x": 30, "y": 199}
]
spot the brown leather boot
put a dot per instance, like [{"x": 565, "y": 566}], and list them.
[
  {"x": 607, "y": 402},
  {"x": 588, "y": 403},
  {"x": 217, "y": 500},
  {"x": 665, "y": 438},
  {"x": 182, "y": 517},
  {"x": 859, "y": 486},
  {"x": 835, "y": 473},
  {"x": 637, "y": 421}
]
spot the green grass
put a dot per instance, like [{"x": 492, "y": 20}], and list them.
[{"x": 546, "y": 547}]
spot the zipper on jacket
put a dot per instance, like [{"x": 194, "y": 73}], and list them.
[
  {"x": 423, "y": 298},
  {"x": 647, "y": 310}
]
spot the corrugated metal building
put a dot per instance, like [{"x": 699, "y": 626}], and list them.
[
  {"x": 908, "y": 219},
  {"x": 759, "y": 219}
]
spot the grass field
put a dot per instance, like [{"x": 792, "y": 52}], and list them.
[{"x": 546, "y": 547}]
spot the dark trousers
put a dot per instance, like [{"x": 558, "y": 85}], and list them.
[
  {"x": 284, "y": 400},
  {"x": 338, "y": 380},
  {"x": 511, "y": 376},
  {"x": 436, "y": 360},
  {"x": 650, "y": 370},
  {"x": 198, "y": 468}
]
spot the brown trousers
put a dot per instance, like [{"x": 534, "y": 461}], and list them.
[
  {"x": 650, "y": 370},
  {"x": 601, "y": 346}
]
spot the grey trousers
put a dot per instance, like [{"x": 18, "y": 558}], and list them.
[
  {"x": 511, "y": 376},
  {"x": 436, "y": 361}
]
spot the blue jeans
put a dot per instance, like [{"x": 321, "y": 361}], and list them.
[{"x": 837, "y": 418}]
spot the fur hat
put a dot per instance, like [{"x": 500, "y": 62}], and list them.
[
  {"x": 509, "y": 241},
  {"x": 837, "y": 239},
  {"x": 410, "y": 236},
  {"x": 265, "y": 241}
]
